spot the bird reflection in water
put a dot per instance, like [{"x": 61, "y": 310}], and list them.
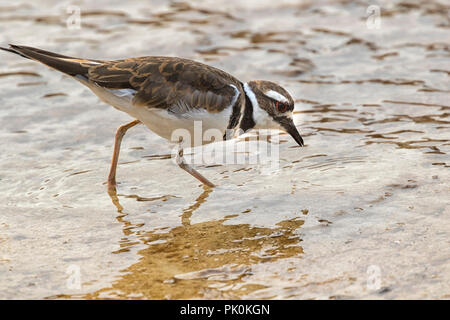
[{"x": 200, "y": 260}]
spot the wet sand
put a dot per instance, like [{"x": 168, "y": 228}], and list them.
[{"x": 361, "y": 212}]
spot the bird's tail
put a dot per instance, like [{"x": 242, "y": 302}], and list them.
[{"x": 68, "y": 65}]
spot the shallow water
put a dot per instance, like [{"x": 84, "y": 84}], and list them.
[{"x": 361, "y": 212}]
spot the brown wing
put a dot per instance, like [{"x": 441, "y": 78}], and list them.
[{"x": 176, "y": 84}]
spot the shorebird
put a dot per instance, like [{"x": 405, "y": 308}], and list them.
[{"x": 168, "y": 93}]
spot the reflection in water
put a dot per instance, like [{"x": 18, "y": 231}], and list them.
[{"x": 200, "y": 260}]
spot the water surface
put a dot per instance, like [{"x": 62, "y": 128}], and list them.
[{"x": 361, "y": 212}]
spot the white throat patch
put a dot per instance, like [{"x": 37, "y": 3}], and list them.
[
  {"x": 262, "y": 119},
  {"x": 251, "y": 95}
]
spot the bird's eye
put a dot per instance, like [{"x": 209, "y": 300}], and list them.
[{"x": 281, "y": 107}]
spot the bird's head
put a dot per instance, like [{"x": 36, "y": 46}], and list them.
[{"x": 272, "y": 107}]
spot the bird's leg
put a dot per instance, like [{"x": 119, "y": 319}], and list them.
[
  {"x": 115, "y": 158},
  {"x": 186, "y": 167}
]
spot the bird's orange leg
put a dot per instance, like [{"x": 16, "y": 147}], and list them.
[
  {"x": 186, "y": 167},
  {"x": 115, "y": 159}
]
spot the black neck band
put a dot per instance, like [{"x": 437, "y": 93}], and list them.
[{"x": 247, "y": 121}]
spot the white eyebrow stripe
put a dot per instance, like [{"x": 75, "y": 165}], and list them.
[{"x": 276, "y": 96}]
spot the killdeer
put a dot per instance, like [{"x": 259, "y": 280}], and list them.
[{"x": 167, "y": 93}]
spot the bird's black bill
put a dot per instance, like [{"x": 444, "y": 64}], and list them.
[
  {"x": 290, "y": 128},
  {"x": 296, "y": 135}
]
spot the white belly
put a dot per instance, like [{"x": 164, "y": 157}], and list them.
[{"x": 196, "y": 127}]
